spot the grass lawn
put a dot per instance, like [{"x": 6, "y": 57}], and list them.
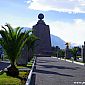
[
  {"x": 29, "y": 65},
  {"x": 8, "y": 80},
  {"x": 20, "y": 80}
]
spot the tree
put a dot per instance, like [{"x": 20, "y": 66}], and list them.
[
  {"x": 61, "y": 53},
  {"x": 74, "y": 52},
  {"x": 31, "y": 44},
  {"x": 13, "y": 40}
]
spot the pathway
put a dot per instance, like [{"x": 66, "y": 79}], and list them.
[{"x": 51, "y": 71}]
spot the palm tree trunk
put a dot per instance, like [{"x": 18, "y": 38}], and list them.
[{"x": 75, "y": 57}]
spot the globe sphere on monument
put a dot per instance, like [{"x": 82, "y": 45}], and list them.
[{"x": 40, "y": 16}]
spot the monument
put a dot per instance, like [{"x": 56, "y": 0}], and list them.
[{"x": 42, "y": 31}]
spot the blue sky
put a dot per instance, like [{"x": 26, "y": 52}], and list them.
[{"x": 65, "y": 17}]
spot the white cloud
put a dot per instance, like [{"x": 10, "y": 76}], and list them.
[
  {"x": 70, "y": 32},
  {"x": 78, "y": 21},
  {"x": 70, "y": 6}
]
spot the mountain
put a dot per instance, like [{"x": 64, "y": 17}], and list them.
[
  {"x": 57, "y": 41},
  {"x": 26, "y": 28}
]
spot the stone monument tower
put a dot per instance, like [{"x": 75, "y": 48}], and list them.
[{"x": 42, "y": 31}]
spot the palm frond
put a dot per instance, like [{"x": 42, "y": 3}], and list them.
[{"x": 13, "y": 40}]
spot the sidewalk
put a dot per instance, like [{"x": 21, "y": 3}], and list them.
[{"x": 52, "y": 71}]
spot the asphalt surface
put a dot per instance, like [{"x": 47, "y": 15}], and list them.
[
  {"x": 3, "y": 65},
  {"x": 52, "y": 71}
]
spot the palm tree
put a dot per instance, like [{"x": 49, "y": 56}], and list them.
[
  {"x": 31, "y": 44},
  {"x": 13, "y": 40},
  {"x": 74, "y": 51}
]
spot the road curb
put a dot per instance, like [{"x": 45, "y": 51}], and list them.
[
  {"x": 30, "y": 74},
  {"x": 73, "y": 62}
]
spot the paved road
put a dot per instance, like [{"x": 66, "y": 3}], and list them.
[
  {"x": 3, "y": 65},
  {"x": 51, "y": 71}
]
